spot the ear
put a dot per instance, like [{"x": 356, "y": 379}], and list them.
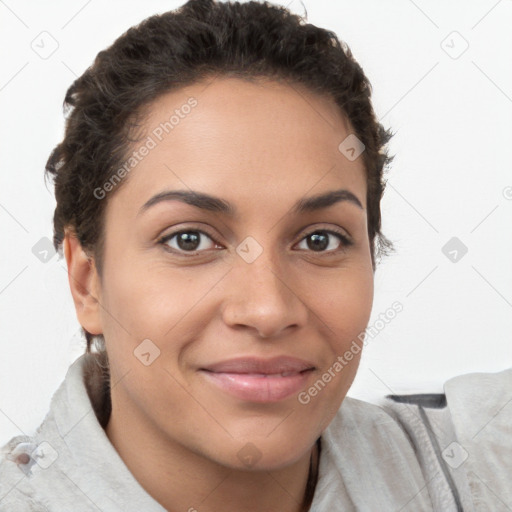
[{"x": 84, "y": 283}]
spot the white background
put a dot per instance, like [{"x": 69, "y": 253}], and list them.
[{"x": 451, "y": 177}]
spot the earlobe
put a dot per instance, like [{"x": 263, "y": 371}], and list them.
[{"x": 84, "y": 283}]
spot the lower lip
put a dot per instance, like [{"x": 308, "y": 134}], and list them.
[{"x": 259, "y": 388}]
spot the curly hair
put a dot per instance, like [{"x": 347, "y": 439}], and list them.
[{"x": 105, "y": 106}]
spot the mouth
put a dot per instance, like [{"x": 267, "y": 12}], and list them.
[{"x": 260, "y": 380}]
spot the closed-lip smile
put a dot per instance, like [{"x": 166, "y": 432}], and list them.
[{"x": 260, "y": 380}]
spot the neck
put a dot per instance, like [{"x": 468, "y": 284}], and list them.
[{"x": 180, "y": 479}]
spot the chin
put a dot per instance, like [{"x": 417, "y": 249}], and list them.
[{"x": 271, "y": 453}]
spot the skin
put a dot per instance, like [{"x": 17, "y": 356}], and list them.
[{"x": 261, "y": 147}]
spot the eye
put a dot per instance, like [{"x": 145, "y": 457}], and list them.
[
  {"x": 187, "y": 240},
  {"x": 322, "y": 239},
  {"x": 195, "y": 240}
]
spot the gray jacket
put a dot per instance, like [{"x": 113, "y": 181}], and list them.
[{"x": 446, "y": 452}]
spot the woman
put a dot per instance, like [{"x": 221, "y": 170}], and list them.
[{"x": 218, "y": 205}]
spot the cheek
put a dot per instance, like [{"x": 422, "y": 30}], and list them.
[
  {"x": 155, "y": 302},
  {"x": 133, "y": 300},
  {"x": 138, "y": 295},
  {"x": 345, "y": 307}
]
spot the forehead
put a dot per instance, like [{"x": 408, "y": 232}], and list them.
[{"x": 247, "y": 140}]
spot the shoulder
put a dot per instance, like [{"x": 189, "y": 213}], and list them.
[
  {"x": 463, "y": 438},
  {"x": 368, "y": 448},
  {"x": 37, "y": 472},
  {"x": 16, "y": 492},
  {"x": 481, "y": 412},
  {"x": 358, "y": 415}
]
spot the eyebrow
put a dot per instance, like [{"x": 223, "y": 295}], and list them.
[{"x": 217, "y": 205}]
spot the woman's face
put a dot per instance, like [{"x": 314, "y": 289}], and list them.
[{"x": 200, "y": 327}]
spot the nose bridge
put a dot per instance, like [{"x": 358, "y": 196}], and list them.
[{"x": 261, "y": 297}]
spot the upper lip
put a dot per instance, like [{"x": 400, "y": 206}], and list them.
[{"x": 281, "y": 364}]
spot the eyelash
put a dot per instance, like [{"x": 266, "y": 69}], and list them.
[{"x": 345, "y": 241}]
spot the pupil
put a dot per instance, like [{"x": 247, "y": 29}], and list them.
[
  {"x": 188, "y": 241},
  {"x": 319, "y": 241}
]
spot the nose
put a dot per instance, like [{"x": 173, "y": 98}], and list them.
[{"x": 263, "y": 298}]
